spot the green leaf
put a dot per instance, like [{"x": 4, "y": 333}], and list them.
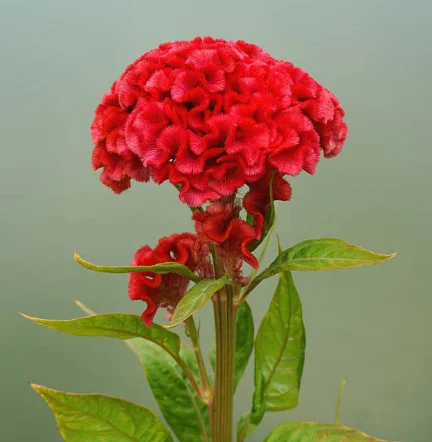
[
  {"x": 320, "y": 254},
  {"x": 317, "y": 432},
  {"x": 163, "y": 268},
  {"x": 98, "y": 418},
  {"x": 114, "y": 325},
  {"x": 279, "y": 357},
  {"x": 280, "y": 347},
  {"x": 258, "y": 400},
  {"x": 195, "y": 299},
  {"x": 245, "y": 427},
  {"x": 327, "y": 254},
  {"x": 248, "y": 422},
  {"x": 166, "y": 373},
  {"x": 180, "y": 405},
  {"x": 244, "y": 342}
]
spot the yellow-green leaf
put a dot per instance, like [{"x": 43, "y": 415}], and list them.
[
  {"x": 114, "y": 325},
  {"x": 98, "y": 418},
  {"x": 166, "y": 372},
  {"x": 279, "y": 356},
  {"x": 320, "y": 254},
  {"x": 195, "y": 299},
  {"x": 163, "y": 268},
  {"x": 280, "y": 347},
  {"x": 317, "y": 432},
  {"x": 181, "y": 407}
]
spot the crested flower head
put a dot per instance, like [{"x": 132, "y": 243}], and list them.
[
  {"x": 212, "y": 116},
  {"x": 164, "y": 290}
]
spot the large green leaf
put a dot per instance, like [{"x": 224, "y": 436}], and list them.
[
  {"x": 244, "y": 342},
  {"x": 316, "y": 432},
  {"x": 114, "y": 325},
  {"x": 280, "y": 347},
  {"x": 320, "y": 254},
  {"x": 98, "y": 418},
  {"x": 248, "y": 422},
  {"x": 195, "y": 299},
  {"x": 183, "y": 410},
  {"x": 166, "y": 371},
  {"x": 279, "y": 356},
  {"x": 165, "y": 267}
]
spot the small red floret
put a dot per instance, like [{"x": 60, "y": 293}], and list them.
[
  {"x": 220, "y": 225},
  {"x": 162, "y": 290}
]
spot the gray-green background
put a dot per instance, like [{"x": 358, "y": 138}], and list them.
[{"x": 372, "y": 325}]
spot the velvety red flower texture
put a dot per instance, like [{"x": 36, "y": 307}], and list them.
[
  {"x": 164, "y": 290},
  {"x": 213, "y": 115},
  {"x": 257, "y": 200},
  {"x": 220, "y": 225}
]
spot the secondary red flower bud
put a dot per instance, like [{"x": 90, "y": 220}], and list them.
[
  {"x": 220, "y": 225},
  {"x": 163, "y": 290},
  {"x": 257, "y": 200},
  {"x": 213, "y": 115}
]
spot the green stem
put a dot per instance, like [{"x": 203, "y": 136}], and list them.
[
  {"x": 339, "y": 401},
  {"x": 225, "y": 324},
  {"x": 205, "y": 382}
]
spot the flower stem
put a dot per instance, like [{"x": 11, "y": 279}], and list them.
[
  {"x": 206, "y": 392},
  {"x": 225, "y": 324}
]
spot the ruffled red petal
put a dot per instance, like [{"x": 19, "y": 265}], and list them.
[
  {"x": 219, "y": 224},
  {"x": 213, "y": 115},
  {"x": 257, "y": 200},
  {"x": 163, "y": 290}
]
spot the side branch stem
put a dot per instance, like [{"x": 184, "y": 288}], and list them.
[{"x": 205, "y": 382}]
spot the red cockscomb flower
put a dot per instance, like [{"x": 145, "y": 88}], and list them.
[
  {"x": 163, "y": 290},
  {"x": 220, "y": 225},
  {"x": 212, "y": 116}
]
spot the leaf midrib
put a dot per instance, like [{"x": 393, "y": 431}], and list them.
[
  {"x": 286, "y": 338},
  {"x": 133, "y": 439},
  {"x": 129, "y": 333}
]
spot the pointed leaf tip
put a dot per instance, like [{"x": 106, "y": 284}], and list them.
[
  {"x": 27, "y": 316},
  {"x": 37, "y": 388},
  {"x": 327, "y": 254},
  {"x": 114, "y": 325},
  {"x": 82, "y": 262},
  {"x": 279, "y": 244},
  {"x": 320, "y": 254},
  {"x": 161, "y": 268}
]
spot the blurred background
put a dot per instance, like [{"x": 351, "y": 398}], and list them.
[{"x": 371, "y": 326}]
